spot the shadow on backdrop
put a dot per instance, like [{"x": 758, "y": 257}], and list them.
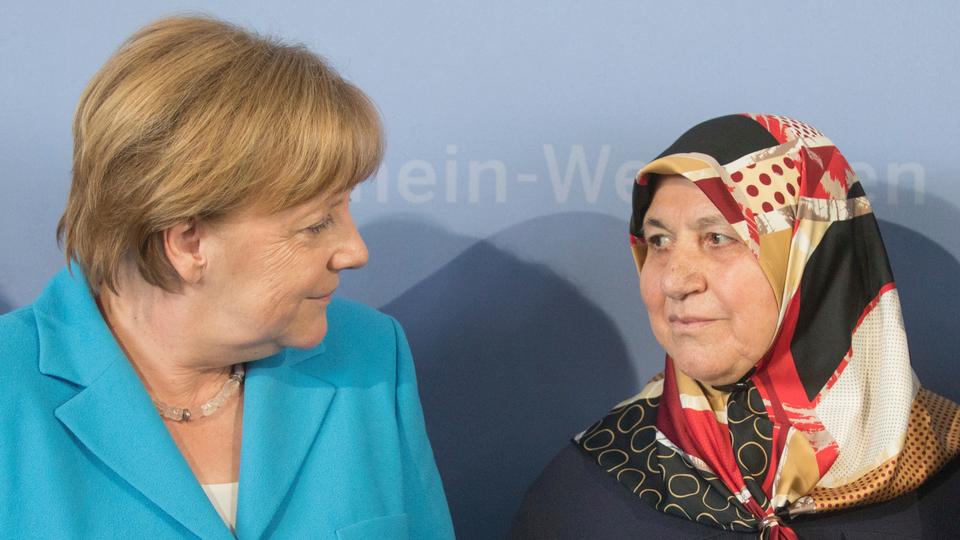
[
  {"x": 404, "y": 250},
  {"x": 592, "y": 252},
  {"x": 926, "y": 274},
  {"x": 511, "y": 359},
  {"x": 4, "y": 305}
]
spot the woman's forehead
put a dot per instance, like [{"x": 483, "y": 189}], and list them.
[{"x": 319, "y": 204}]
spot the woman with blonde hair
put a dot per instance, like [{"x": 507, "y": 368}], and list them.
[{"x": 189, "y": 373}]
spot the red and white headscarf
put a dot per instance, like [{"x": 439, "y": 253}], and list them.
[{"x": 832, "y": 416}]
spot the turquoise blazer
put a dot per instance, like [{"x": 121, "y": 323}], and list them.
[{"x": 333, "y": 445}]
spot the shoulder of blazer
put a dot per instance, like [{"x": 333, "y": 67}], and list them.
[
  {"x": 21, "y": 382},
  {"x": 18, "y": 333}
]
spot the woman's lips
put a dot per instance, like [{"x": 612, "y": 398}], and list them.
[{"x": 689, "y": 323}]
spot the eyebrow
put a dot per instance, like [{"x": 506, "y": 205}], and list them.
[
  {"x": 330, "y": 203},
  {"x": 702, "y": 223}
]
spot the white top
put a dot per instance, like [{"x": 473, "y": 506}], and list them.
[{"x": 224, "y": 499}]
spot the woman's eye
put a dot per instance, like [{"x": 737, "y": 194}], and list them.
[
  {"x": 657, "y": 241},
  {"x": 718, "y": 239},
  {"x": 318, "y": 227}
]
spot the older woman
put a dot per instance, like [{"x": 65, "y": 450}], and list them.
[
  {"x": 787, "y": 405},
  {"x": 189, "y": 374}
]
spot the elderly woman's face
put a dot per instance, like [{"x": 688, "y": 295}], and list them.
[
  {"x": 710, "y": 304},
  {"x": 270, "y": 277}
]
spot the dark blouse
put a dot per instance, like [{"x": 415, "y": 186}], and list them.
[{"x": 575, "y": 499}]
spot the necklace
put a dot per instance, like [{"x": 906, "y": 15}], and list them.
[{"x": 230, "y": 388}]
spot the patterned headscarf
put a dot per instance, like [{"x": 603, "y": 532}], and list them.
[{"x": 832, "y": 416}]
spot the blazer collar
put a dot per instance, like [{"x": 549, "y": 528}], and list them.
[
  {"x": 285, "y": 401},
  {"x": 75, "y": 343}
]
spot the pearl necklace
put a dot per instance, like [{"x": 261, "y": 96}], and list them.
[{"x": 230, "y": 388}]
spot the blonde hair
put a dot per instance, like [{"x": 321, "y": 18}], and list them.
[{"x": 194, "y": 118}]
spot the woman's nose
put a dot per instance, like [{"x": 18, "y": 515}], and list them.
[
  {"x": 352, "y": 252},
  {"x": 683, "y": 275}
]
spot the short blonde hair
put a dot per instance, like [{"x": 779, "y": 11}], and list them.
[{"x": 194, "y": 118}]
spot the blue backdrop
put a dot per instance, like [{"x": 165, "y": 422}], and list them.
[{"x": 497, "y": 224}]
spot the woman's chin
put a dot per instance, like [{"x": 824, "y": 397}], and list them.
[{"x": 307, "y": 338}]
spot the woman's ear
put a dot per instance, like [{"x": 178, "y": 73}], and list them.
[{"x": 182, "y": 244}]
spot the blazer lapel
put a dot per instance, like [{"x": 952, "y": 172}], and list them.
[
  {"x": 115, "y": 419},
  {"x": 111, "y": 414},
  {"x": 283, "y": 409}
]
